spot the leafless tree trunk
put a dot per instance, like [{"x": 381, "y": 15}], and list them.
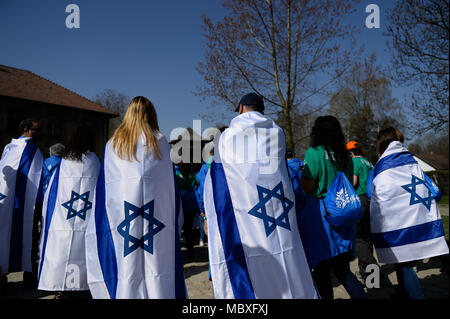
[
  {"x": 289, "y": 52},
  {"x": 419, "y": 42}
]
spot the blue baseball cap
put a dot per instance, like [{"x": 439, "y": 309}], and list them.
[{"x": 252, "y": 99}]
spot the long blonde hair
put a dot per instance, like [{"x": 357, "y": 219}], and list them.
[{"x": 140, "y": 117}]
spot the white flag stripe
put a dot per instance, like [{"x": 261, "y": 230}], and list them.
[
  {"x": 253, "y": 230},
  {"x": 405, "y": 221},
  {"x": 65, "y": 244},
  {"x": 21, "y": 154},
  {"x": 142, "y": 226},
  {"x": 421, "y": 251}
]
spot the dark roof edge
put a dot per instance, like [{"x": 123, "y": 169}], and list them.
[
  {"x": 426, "y": 161},
  {"x": 107, "y": 111},
  {"x": 110, "y": 114}
]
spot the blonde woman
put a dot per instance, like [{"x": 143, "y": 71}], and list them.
[{"x": 133, "y": 237}]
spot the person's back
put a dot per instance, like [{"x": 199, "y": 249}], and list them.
[
  {"x": 321, "y": 165},
  {"x": 363, "y": 244},
  {"x": 67, "y": 206},
  {"x": 66, "y": 210},
  {"x": 254, "y": 244},
  {"x": 20, "y": 174},
  {"x": 362, "y": 167},
  {"x": 405, "y": 221},
  {"x": 133, "y": 247},
  {"x": 328, "y": 246},
  {"x": 403, "y": 204}
]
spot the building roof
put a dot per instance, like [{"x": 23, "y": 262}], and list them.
[
  {"x": 437, "y": 161},
  {"x": 27, "y": 85}
]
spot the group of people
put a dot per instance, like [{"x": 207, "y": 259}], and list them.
[{"x": 113, "y": 228}]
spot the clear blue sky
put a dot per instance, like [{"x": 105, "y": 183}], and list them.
[{"x": 137, "y": 47}]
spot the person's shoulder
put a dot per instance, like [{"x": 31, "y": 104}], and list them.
[
  {"x": 357, "y": 160},
  {"x": 366, "y": 162},
  {"x": 91, "y": 156},
  {"x": 315, "y": 151}
]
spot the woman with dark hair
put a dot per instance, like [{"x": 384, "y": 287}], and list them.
[
  {"x": 79, "y": 143},
  {"x": 327, "y": 247},
  {"x": 66, "y": 210},
  {"x": 405, "y": 221}
]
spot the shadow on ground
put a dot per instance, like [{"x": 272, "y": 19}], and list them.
[{"x": 433, "y": 276}]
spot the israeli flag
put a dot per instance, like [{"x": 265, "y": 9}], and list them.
[
  {"x": 404, "y": 218},
  {"x": 133, "y": 237},
  {"x": 255, "y": 250},
  {"x": 65, "y": 213},
  {"x": 20, "y": 174}
]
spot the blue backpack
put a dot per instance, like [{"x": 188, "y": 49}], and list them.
[
  {"x": 342, "y": 204},
  {"x": 437, "y": 194},
  {"x": 369, "y": 186}
]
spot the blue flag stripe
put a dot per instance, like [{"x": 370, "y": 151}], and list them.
[
  {"x": 232, "y": 246},
  {"x": 180, "y": 288},
  {"x": 15, "y": 253},
  {"x": 49, "y": 214},
  {"x": 409, "y": 235},
  {"x": 105, "y": 243},
  {"x": 393, "y": 160}
]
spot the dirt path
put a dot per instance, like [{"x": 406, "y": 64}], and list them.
[{"x": 435, "y": 283}]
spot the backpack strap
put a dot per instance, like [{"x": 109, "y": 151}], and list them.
[
  {"x": 210, "y": 159},
  {"x": 332, "y": 159}
]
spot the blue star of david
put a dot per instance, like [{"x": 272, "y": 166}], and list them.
[
  {"x": 2, "y": 196},
  {"x": 415, "y": 198},
  {"x": 155, "y": 226},
  {"x": 69, "y": 205},
  {"x": 259, "y": 210}
]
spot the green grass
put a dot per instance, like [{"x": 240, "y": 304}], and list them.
[
  {"x": 445, "y": 222},
  {"x": 444, "y": 200}
]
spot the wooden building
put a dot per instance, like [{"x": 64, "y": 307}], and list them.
[{"x": 24, "y": 94}]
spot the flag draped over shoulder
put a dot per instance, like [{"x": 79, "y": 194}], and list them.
[
  {"x": 133, "y": 237},
  {"x": 20, "y": 174},
  {"x": 405, "y": 221},
  {"x": 255, "y": 250},
  {"x": 66, "y": 211}
]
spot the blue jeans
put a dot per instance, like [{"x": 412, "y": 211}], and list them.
[{"x": 408, "y": 280}]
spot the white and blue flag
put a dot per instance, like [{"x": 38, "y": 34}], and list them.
[
  {"x": 20, "y": 174},
  {"x": 133, "y": 237},
  {"x": 65, "y": 214},
  {"x": 255, "y": 250},
  {"x": 404, "y": 218}
]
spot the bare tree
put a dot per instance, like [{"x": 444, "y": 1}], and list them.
[
  {"x": 430, "y": 143},
  {"x": 115, "y": 101},
  {"x": 419, "y": 42},
  {"x": 301, "y": 127},
  {"x": 289, "y": 52},
  {"x": 364, "y": 105}
]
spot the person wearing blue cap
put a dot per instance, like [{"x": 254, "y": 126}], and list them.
[
  {"x": 249, "y": 203},
  {"x": 250, "y": 102}
]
